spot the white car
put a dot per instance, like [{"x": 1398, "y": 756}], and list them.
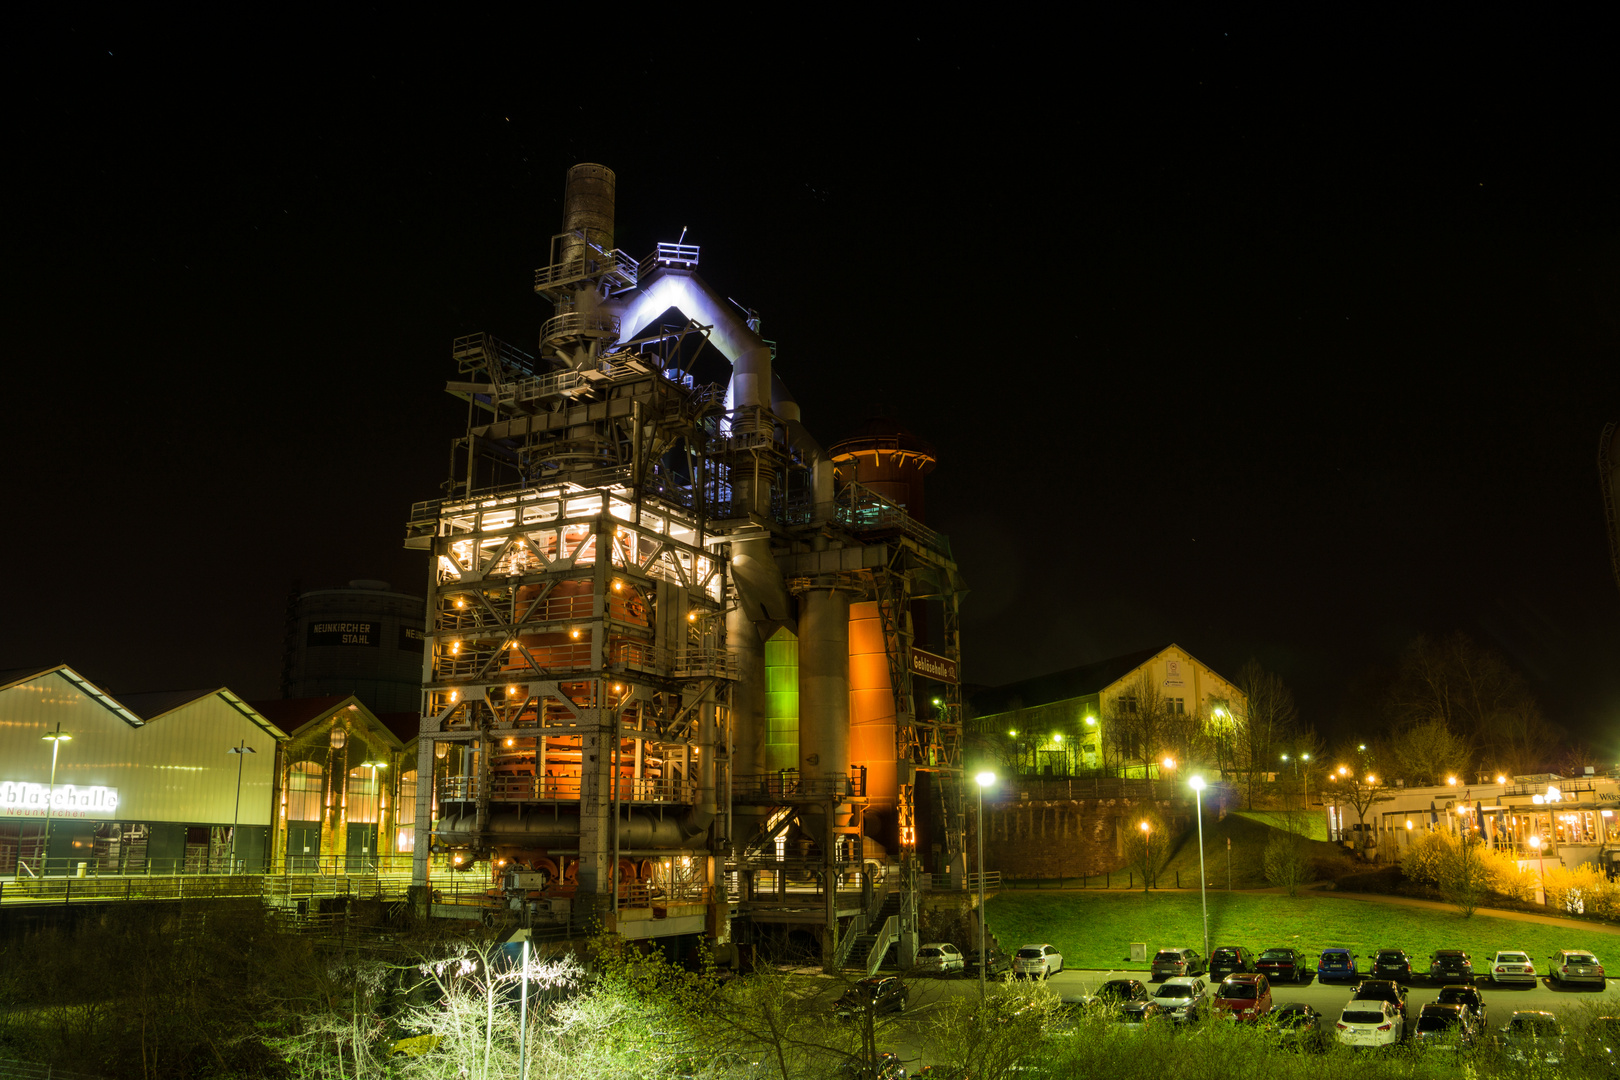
[
  {"x": 1509, "y": 967},
  {"x": 1033, "y": 960},
  {"x": 940, "y": 958},
  {"x": 1182, "y": 998},
  {"x": 1576, "y": 965},
  {"x": 1368, "y": 1022}
]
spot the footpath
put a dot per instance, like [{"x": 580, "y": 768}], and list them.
[{"x": 1590, "y": 925}]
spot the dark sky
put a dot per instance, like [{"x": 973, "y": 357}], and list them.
[{"x": 1282, "y": 340}]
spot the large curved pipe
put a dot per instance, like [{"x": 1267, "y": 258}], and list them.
[
  {"x": 636, "y": 829},
  {"x": 687, "y": 293}
]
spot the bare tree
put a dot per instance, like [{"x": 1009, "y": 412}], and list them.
[
  {"x": 1360, "y": 791},
  {"x": 1135, "y": 723},
  {"x": 1475, "y": 693},
  {"x": 1147, "y": 848},
  {"x": 1268, "y": 718},
  {"x": 1429, "y": 752}
]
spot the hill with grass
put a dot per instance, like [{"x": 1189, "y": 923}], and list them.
[{"x": 1244, "y": 834}]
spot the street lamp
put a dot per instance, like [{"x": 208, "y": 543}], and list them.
[
  {"x": 983, "y": 780},
  {"x": 1541, "y": 867},
  {"x": 1147, "y": 854},
  {"x": 56, "y": 739},
  {"x": 241, "y": 750},
  {"x": 376, "y": 808},
  {"x": 1198, "y": 791}
]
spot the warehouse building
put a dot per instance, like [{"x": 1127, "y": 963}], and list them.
[{"x": 176, "y": 782}]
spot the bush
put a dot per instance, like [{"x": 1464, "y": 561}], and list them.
[{"x": 1287, "y": 862}]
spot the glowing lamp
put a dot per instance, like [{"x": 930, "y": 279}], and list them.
[
  {"x": 1196, "y": 783},
  {"x": 985, "y": 779}
]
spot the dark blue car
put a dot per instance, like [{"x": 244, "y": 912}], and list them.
[{"x": 1336, "y": 965}]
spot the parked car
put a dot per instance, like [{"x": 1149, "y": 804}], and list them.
[
  {"x": 1602, "y": 1043},
  {"x": 1280, "y": 965},
  {"x": 1370, "y": 1023},
  {"x": 1444, "y": 1027},
  {"x": 1183, "y": 998},
  {"x": 1468, "y": 996},
  {"x": 1243, "y": 997},
  {"x": 1033, "y": 960},
  {"x": 1230, "y": 960},
  {"x": 1381, "y": 990},
  {"x": 879, "y": 994},
  {"x": 1513, "y": 967},
  {"x": 1136, "y": 1015},
  {"x": 1576, "y": 966},
  {"x": 1117, "y": 993},
  {"x": 1169, "y": 963},
  {"x": 939, "y": 958},
  {"x": 996, "y": 962},
  {"x": 1336, "y": 965},
  {"x": 1297, "y": 1026},
  {"x": 1450, "y": 965},
  {"x": 1392, "y": 964},
  {"x": 1531, "y": 1035}
]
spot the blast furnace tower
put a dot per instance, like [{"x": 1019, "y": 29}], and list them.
[{"x": 672, "y": 676}]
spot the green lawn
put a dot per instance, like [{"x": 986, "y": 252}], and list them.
[
  {"x": 1249, "y": 833},
  {"x": 1095, "y": 929},
  {"x": 1315, "y": 824}
]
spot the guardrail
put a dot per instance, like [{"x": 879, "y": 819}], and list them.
[
  {"x": 885, "y": 937},
  {"x": 789, "y": 785},
  {"x": 521, "y": 788},
  {"x": 970, "y": 882}
]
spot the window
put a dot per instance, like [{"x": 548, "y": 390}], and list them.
[
  {"x": 304, "y": 791},
  {"x": 362, "y": 802}
]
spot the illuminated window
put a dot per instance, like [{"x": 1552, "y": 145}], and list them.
[
  {"x": 362, "y": 802},
  {"x": 304, "y": 791},
  {"x": 405, "y": 811}
]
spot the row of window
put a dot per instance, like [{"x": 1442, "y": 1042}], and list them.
[{"x": 306, "y": 790}]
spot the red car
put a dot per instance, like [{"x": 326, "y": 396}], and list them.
[{"x": 1243, "y": 997}]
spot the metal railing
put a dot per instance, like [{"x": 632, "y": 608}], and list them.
[
  {"x": 970, "y": 882},
  {"x": 506, "y": 787},
  {"x": 580, "y": 324},
  {"x": 595, "y": 263},
  {"x": 880, "y": 946},
  {"x": 682, "y": 255},
  {"x": 788, "y": 785}
]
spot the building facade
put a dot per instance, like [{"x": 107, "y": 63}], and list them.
[
  {"x": 1095, "y": 718},
  {"x": 177, "y": 782}
]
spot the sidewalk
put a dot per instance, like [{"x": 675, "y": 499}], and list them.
[{"x": 1436, "y": 905}]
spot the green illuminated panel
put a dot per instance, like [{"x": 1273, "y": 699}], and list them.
[{"x": 782, "y": 701}]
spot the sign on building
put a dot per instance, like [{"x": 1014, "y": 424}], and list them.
[
  {"x": 368, "y": 634},
  {"x": 930, "y": 666},
  {"x": 21, "y": 799}
]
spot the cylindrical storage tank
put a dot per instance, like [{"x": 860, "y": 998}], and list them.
[
  {"x": 823, "y": 685},
  {"x": 872, "y": 749},
  {"x": 365, "y": 640},
  {"x": 886, "y": 457},
  {"x": 588, "y": 199}
]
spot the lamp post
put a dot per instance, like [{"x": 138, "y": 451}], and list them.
[
  {"x": 1541, "y": 867},
  {"x": 1147, "y": 854},
  {"x": 983, "y": 780},
  {"x": 241, "y": 750},
  {"x": 376, "y": 808},
  {"x": 1198, "y": 791},
  {"x": 56, "y": 739}
]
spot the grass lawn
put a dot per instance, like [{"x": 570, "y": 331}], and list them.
[
  {"x": 1095, "y": 929},
  {"x": 1249, "y": 833},
  {"x": 1315, "y": 823}
]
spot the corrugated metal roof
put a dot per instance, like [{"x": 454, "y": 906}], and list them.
[
  {"x": 151, "y": 705},
  {"x": 1062, "y": 685}
]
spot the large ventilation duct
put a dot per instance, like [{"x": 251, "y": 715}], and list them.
[{"x": 636, "y": 829}]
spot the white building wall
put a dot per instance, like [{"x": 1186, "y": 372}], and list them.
[{"x": 174, "y": 769}]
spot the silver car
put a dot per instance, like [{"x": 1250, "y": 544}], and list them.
[
  {"x": 1183, "y": 998},
  {"x": 1576, "y": 966},
  {"x": 1037, "y": 960},
  {"x": 1509, "y": 967},
  {"x": 939, "y": 958}
]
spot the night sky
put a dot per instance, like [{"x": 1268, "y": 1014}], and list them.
[{"x": 1286, "y": 341}]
